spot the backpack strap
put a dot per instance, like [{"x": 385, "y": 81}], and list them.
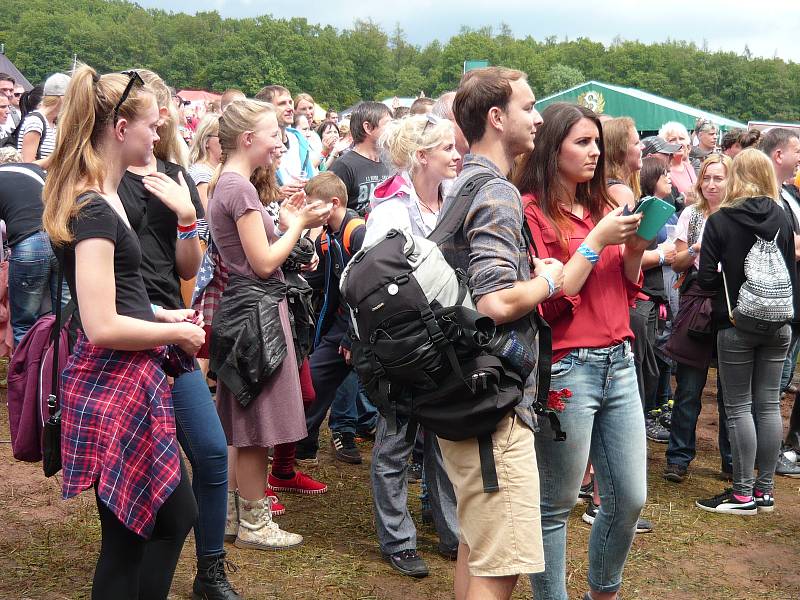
[
  {"x": 545, "y": 360},
  {"x": 488, "y": 468},
  {"x": 347, "y": 235},
  {"x": 53, "y": 400},
  {"x": 39, "y": 116},
  {"x": 458, "y": 207}
]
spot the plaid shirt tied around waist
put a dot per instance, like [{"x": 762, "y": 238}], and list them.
[{"x": 118, "y": 432}]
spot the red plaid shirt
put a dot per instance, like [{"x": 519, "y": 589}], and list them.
[{"x": 118, "y": 432}]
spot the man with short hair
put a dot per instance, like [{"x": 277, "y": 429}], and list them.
[
  {"x": 332, "y": 115},
  {"x": 5, "y": 109},
  {"x": 421, "y": 106},
  {"x": 362, "y": 169},
  {"x": 10, "y": 121},
  {"x": 706, "y": 133},
  {"x": 228, "y": 96},
  {"x": 782, "y": 145},
  {"x": 501, "y": 534},
  {"x": 731, "y": 146},
  {"x": 296, "y": 163}
]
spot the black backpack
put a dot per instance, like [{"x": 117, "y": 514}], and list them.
[
  {"x": 423, "y": 352},
  {"x": 12, "y": 139}
]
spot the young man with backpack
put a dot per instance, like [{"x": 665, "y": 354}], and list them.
[
  {"x": 500, "y": 531},
  {"x": 330, "y": 361}
]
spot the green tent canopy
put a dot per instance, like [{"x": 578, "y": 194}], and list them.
[{"x": 649, "y": 111}]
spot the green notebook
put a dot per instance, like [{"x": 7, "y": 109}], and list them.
[{"x": 656, "y": 214}]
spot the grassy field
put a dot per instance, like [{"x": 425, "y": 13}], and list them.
[{"x": 48, "y": 547}]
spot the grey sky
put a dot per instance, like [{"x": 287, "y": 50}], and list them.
[{"x": 723, "y": 24}]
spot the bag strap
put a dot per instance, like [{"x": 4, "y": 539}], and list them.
[
  {"x": 44, "y": 133},
  {"x": 52, "y": 399},
  {"x": 458, "y": 207},
  {"x": 347, "y": 235},
  {"x": 727, "y": 296},
  {"x": 488, "y": 468}
]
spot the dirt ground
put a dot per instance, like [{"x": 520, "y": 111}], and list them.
[{"x": 48, "y": 547}]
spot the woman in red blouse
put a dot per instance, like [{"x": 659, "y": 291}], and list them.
[{"x": 572, "y": 218}]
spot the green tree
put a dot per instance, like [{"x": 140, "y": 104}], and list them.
[{"x": 562, "y": 77}]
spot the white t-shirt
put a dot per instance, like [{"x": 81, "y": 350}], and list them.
[
  {"x": 34, "y": 123},
  {"x": 682, "y": 228}
]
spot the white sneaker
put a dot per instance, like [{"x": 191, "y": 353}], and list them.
[{"x": 258, "y": 531}]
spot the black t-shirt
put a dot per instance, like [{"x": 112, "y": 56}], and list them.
[
  {"x": 96, "y": 219},
  {"x": 21, "y": 200},
  {"x": 361, "y": 176},
  {"x": 156, "y": 225}
]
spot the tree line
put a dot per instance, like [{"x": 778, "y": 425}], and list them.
[{"x": 340, "y": 67}]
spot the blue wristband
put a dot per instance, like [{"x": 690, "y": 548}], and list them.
[
  {"x": 551, "y": 285},
  {"x": 187, "y": 235},
  {"x": 588, "y": 253}
]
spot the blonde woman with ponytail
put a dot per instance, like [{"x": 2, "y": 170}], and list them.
[
  {"x": 118, "y": 429},
  {"x": 422, "y": 149},
  {"x": 257, "y": 411}
]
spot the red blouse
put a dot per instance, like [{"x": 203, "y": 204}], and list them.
[{"x": 598, "y": 316}]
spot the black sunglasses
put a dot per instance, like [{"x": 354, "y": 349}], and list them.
[{"x": 134, "y": 77}]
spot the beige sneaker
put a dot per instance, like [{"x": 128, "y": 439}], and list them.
[
  {"x": 232, "y": 519},
  {"x": 258, "y": 531}
]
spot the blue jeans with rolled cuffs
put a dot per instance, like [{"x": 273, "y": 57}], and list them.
[{"x": 604, "y": 422}]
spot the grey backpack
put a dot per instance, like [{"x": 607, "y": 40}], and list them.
[{"x": 766, "y": 301}]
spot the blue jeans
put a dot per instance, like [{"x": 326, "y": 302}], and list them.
[
  {"x": 604, "y": 422},
  {"x": 750, "y": 371},
  {"x": 202, "y": 439},
  {"x": 32, "y": 283},
  {"x": 690, "y": 382},
  {"x": 396, "y": 530},
  {"x": 791, "y": 362}
]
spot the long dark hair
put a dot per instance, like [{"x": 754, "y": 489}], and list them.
[{"x": 537, "y": 172}]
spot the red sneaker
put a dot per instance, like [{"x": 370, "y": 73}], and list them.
[
  {"x": 277, "y": 508},
  {"x": 299, "y": 484}
]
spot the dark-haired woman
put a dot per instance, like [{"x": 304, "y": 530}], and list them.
[
  {"x": 118, "y": 428},
  {"x": 573, "y": 219}
]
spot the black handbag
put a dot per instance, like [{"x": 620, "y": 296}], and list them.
[{"x": 51, "y": 432}]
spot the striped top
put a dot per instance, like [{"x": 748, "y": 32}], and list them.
[
  {"x": 202, "y": 173},
  {"x": 33, "y": 122}
]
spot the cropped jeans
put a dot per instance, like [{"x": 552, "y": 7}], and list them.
[
  {"x": 604, "y": 422},
  {"x": 750, "y": 368},
  {"x": 32, "y": 282}
]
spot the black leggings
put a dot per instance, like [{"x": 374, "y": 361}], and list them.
[{"x": 130, "y": 567}]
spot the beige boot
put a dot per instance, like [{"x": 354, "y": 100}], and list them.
[
  {"x": 258, "y": 531},
  {"x": 232, "y": 519}
]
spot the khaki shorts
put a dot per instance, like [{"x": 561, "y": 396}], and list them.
[{"x": 503, "y": 529}]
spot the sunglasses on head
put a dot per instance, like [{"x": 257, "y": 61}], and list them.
[
  {"x": 134, "y": 77},
  {"x": 430, "y": 120}
]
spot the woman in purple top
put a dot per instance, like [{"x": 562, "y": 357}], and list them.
[{"x": 245, "y": 236}]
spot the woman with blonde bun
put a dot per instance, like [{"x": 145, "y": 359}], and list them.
[{"x": 422, "y": 149}]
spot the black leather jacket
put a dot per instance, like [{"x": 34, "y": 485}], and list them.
[{"x": 247, "y": 340}]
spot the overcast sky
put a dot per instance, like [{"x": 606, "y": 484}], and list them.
[{"x": 771, "y": 30}]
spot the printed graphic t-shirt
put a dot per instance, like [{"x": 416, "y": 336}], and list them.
[{"x": 361, "y": 176}]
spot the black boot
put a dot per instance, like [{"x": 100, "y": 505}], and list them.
[{"x": 211, "y": 583}]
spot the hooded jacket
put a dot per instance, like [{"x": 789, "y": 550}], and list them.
[
  {"x": 395, "y": 206},
  {"x": 729, "y": 234}
]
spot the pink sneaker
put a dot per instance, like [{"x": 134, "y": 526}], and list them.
[{"x": 299, "y": 484}]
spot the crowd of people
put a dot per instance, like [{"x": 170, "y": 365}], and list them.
[{"x": 209, "y": 321}]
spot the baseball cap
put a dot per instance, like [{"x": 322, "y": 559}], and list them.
[
  {"x": 56, "y": 84},
  {"x": 657, "y": 145}
]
